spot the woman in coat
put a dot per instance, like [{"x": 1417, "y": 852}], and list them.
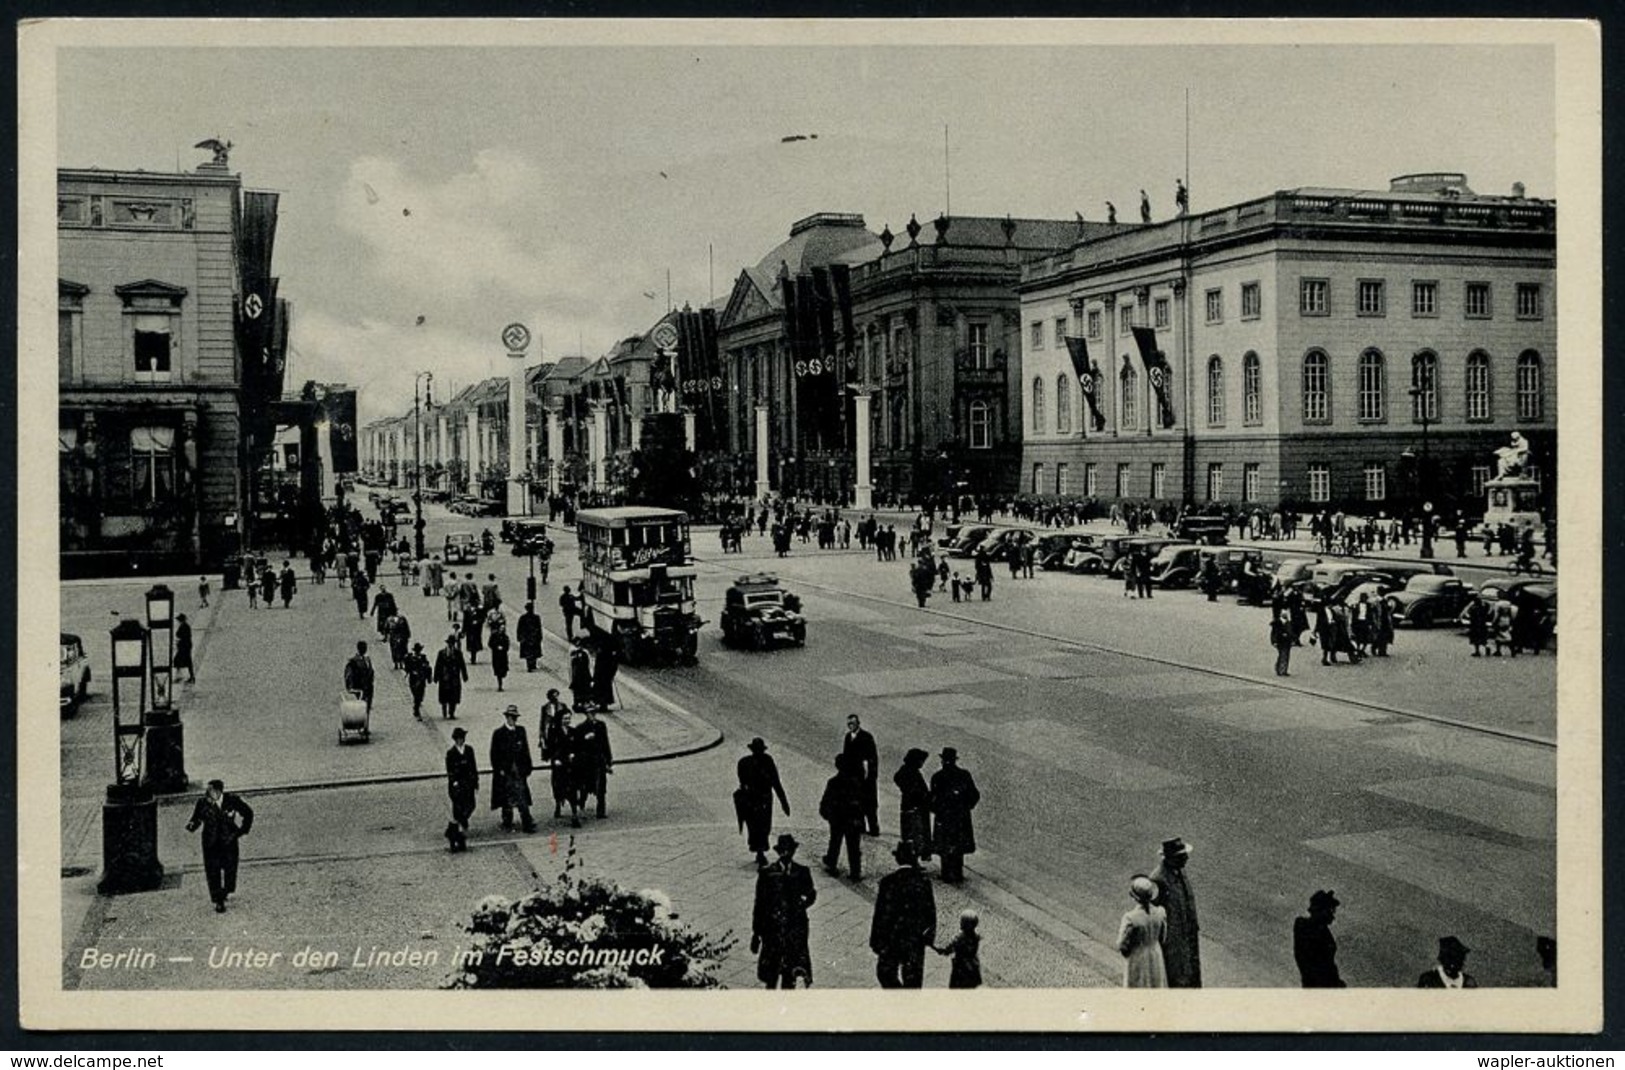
[
  {"x": 400, "y": 634},
  {"x": 183, "y": 648},
  {"x": 268, "y": 585},
  {"x": 449, "y": 673},
  {"x": 953, "y": 796},
  {"x": 499, "y": 654},
  {"x": 473, "y": 629},
  {"x": 1478, "y": 625},
  {"x": 915, "y": 818},
  {"x": 1140, "y": 936},
  {"x": 462, "y": 785}
]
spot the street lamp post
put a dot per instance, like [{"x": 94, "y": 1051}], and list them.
[
  {"x": 427, "y": 378},
  {"x": 130, "y": 812},
  {"x": 164, "y": 737},
  {"x": 1419, "y": 405}
]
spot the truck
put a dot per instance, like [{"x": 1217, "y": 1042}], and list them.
[{"x": 637, "y": 582}]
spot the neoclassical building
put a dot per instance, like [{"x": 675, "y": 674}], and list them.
[{"x": 1313, "y": 346}]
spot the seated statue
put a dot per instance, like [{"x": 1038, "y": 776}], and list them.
[{"x": 1511, "y": 459}]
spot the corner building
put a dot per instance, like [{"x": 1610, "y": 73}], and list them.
[{"x": 1329, "y": 348}]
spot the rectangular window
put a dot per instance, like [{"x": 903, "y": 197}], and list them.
[
  {"x": 1215, "y": 306},
  {"x": 64, "y": 346},
  {"x": 1060, "y": 332},
  {"x": 1060, "y": 478},
  {"x": 1090, "y": 480},
  {"x": 1478, "y": 301},
  {"x": 1371, "y": 387},
  {"x": 1313, "y": 299},
  {"x": 152, "y": 348},
  {"x": 1159, "y": 480},
  {"x": 1037, "y": 334},
  {"x": 1478, "y": 474},
  {"x": 1478, "y": 387},
  {"x": 1529, "y": 301},
  {"x": 1371, "y": 298},
  {"x": 978, "y": 345},
  {"x": 1122, "y": 479},
  {"x": 1094, "y": 323},
  {"x": 152, "y": 464},
  {"x": 1252, "y": 301},
  {"x": 1376, "y": 481},
  {"x": 1252, "y": 390},
  {"x": 1424, "y": 299},
  {"x": 1125, "y": 319},
  {"x": 1249, "y": 482},
  {"x": 1160, "y": 312},
  {"x": 1038, "y": 478},
  {"x": 1215, "y": 482},
  {"x": 1320, "y": 483}
]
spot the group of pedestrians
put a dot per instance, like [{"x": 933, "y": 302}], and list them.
[{"x": 263, "y": 583}]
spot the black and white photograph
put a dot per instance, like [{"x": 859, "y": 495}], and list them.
[{"x": 1053, "y": 508}]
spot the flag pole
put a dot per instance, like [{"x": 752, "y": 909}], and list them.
[{"x": 947, "y": 182}]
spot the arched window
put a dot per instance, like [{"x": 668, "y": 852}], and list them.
[
  {"x": 1425, "y": 384},
  {"x": 1373, "y": 386},
  {"x": 1252, "y": 387},
  {"x": 981, "y": 437},
  {"x": 1038, "y": 405},
  {"x": 1531, "y": 386},
  {"x": 1477, "y": 385},
  {"x": 1316, "y": 400},
  {"x": 1131, "y": 390},
  {"x": 1215, "y": 391},
  {"x": 1063, "y": 404}
]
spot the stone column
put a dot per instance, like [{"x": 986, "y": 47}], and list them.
[
  {"x": 637, "y": 432},
  {"x": 763, "y": 488},
  {"x": 474, "y": 452},
  {"x": 442, "y": 450},
  {"x": 862, "y": 490},
  {"x": 595, "y": 443},
  {"x": 688, "y": 431},
  {"x": 555, "y": 448},
  {"x": 516, "y": 433}
]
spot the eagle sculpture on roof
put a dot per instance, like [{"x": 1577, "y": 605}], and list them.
[{"x": 216, "y": 146}]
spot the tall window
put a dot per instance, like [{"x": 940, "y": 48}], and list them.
[
  {"x": 1159, "y": 312},
  {"x": 1060, "y": 478},
  {"x": 1315, "y": 386},
  {"x": 1529, "y": 305},
  {"x": 1425, "y": 380},
  {"x": 1312, "y": 297},
  {"x": 1320, "y": 482},
  {"x": 978, "y": 345},
  {"x": 1531, "y": 399},
  {"x": 1478, "y": 301},
  {"x": 1038, "y": 334},
  {"x": 1373, "y": 388},
  {"x": 1131, "y": 390},
  {"x": 152, "y": 345},
  {"x": 1215, "y": 306},
  {"x": 1215, "y": 391},
  {"x": 1375, "y": 475},
  {"x": 1249, "y": 482},
  {"x": 1370, "y": 298},
  {"x": 1424, "y": 298},
  {"x": 152, "y": 464},
  {"x": 1094, "y": 323},
  {"x": 1125, "y": 319},
  {"x": 1159, "y": 480},
  {"x": 1478, "y": 385},
  {"x": 1038, "y": 478},
  {"x": 1215, "y": 482},
  {"x": 1122, "y": 479},
  {"x": 1091, "y": 485},
  {"x": 981, "y": 436},
  {"x": 1252, "y": 389},
  {"x": 1038, "y": 405},
  {"x": 1063, "y": 404},
  {"x": 1060, "y": 332},
  {"x": 1252, "y": 303}
]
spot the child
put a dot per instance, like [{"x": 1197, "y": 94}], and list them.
[
  {"x": 203, "y": 591},
  {"x": 955, "y": 582},
  {"x": 966, "y": 971}
]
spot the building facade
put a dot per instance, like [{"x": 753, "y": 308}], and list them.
[
  {"x": 1318, "y": 347},
  {"x": 170, "y": 351}
]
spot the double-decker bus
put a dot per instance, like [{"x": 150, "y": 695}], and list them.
[{"x": 637, "y": 581}]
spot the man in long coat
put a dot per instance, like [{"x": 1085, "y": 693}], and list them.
[
  {"x": 905, "y": 922},
  {"x": 358, "y": 674},
  {"x": 499, "y": 654},
  {"x": 450, "y": 672},
  {"x": 528, "y": 630},
  {"x": 604, "y": 667},
  {"x": 418, "y": 672},
  {"x": 1181, "y": 948},
  {"x": 1314, "y": 947},
  {"x": 758, "y": 783},
  {"x": 383, "y": 609},
  {"x": 581, "y": 689},
  {"x": 463, "y": 785},
  {"x": 778, "y": 925},
  {"x": 289, "y": 582},
  {"x": 510, "y": 771},
  {"x": 558, "y": 738},
  {"x": 859, "y": 747},
  {"x": 592, "y": 760},
  {"x": 953, "y": 796},
  {"x": 224, "y": 819}
]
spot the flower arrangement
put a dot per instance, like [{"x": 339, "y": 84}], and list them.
[{"x": 583, "y": 931}]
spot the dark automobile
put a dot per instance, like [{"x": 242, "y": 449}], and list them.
[
  {"x": 1002, "y": 544},
  {"x": 1241, "y": 571},
  {"x": 461, "y": 548},
  {"x": 1105, "y": 554},
  {"x": 1209, "y": 528},
  {"x": 758, "y": 612},
  {"x": 1331, "y": 583},
  {"x": 529, "y": 538},
  {"x": 968, "y": 539},
  {"x": 1054, "y": 546},
  {"x": 1176, "y": 565},
  {"x": 1426, "y": 599},
  {"x": 1149, "y": 545},
  {"x": 1529, "y": 594}
]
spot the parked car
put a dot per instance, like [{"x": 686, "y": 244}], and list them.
[
  {"x": 1241, "y": 571},
  {"x": 950, "y": 532},
  {"x": 1151, "y": 545},
  {"x": 1055, "y": 546},
  {"x": 1292, "y": 572},
  {"x": 969, "y": 538},
  {"x": 1536, "y": 592},
  {"x": 1374, "y": 588},
  {"x": 757, "y": 612},
  {"x": 75, "y": 672},
  {"x": 1108, "y": 549},
  {"x": 461, "y": 548},
  {"x": 1206, "y": 527},
  {"x": 1331, "y": 583},
  {"x": 1176, "y": 565},
  {"x": 1427, "y": 599},
  {"x": 529, "y": 537},
  {"x": 1005, "y": 542}
]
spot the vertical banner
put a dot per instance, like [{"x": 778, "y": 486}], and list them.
[
  {"x": 1159, "y": 371},
  {"x": 824, "y": 305},
  {"x": 341, "y": 431}
]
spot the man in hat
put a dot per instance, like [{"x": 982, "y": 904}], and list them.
[
  {"x": 581, "y": 689},
  {"x": 1313, "y": 945},
  {"x": 418, "y": 671},
  {"x": 463, "y": 785},
  {"x": 593, "y": 763},
  {"x": 1449, "y": 972},
  {"x": 358, "y": 674},
  {"x": 905, "y": 922},
  {"x": 224, "y": 819},
  {"x": 510, "y": 771},
  {"x": 753, "y": 800},
  {"x": 859, "y": 747},
  {"x": 1181, "y": 947},
  {"x": 953, "y": 796},
  {"x": 779, "y": 927},
  {"x": 528, "y": 631}
]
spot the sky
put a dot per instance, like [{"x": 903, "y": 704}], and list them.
[{"x": 431, "y": 195}]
